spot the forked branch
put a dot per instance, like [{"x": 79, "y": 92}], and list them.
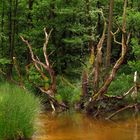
[
  {"x": 38, "y": 64},
  {"x": 118, "y": 63}
]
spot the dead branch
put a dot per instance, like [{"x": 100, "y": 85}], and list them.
[
  {"x": 134, "y": 89},
  {"x": 51, "y": 53},
  {"x": 32, "y": 54},
  {"x": 128, "y": 38},
  {"x": 45, "y": 46},
  {"x": 135, "y": 92},
  {"x": 38, "y": 64},
  {"x": 129, "y": 91},
  {"x": 120, "y": 110},
  {"x": 98, "y": 59},
  {"x": 114, "y": 37},
  {"x": 118, "y": 63},
  {"x": 53, "y": 99}
]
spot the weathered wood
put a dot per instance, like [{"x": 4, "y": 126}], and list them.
[
  {"x": 120, "y": 110},
  {"x": 135, "y": 91},
  {"x": 98, "y": 59},
  {"x": 38, "y": 64},
  {"x": 118, "y": 63}
]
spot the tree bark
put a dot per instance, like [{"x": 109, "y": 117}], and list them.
[
  {"x": 12, "y": 15},
  {"x": 39, "y": 65},
  {"x": 109, "y": 35},
  {"x": 118, "y": 63},
  {"x": 98, "y": 59}
]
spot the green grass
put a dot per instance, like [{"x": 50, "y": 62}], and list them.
[{"x": 18, "y": 112}]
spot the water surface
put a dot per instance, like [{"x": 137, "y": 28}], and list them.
[{"x": 77, "y": 126}]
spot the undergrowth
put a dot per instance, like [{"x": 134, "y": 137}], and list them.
[{"x": 67, "y": 92}]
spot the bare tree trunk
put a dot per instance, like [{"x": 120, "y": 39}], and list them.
[
  {"x": 12, "y": 14},
  {"x": 109, "y": 35},
  {"x": 98, "y": 60},
  {"x": 118, "y": 63}
]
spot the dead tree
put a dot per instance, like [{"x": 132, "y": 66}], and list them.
[
  {"x": 39, "y": 65},
  {"x": 84, "y": 83},
  {"x": 102, "y": 90},
  {"x": 98, "y": 59}
]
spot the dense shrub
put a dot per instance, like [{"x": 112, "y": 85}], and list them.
[{"x": 18, "y": 112}]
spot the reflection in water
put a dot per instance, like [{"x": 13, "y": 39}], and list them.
[{"x": 76, "y": 126}]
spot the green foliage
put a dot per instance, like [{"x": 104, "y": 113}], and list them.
[
  {"x": 76, "y": 24},
  {"x": 66, "y": 92},
  {"x": 4, "y": 61},
  {"x": 133, "y": 19},
  {"x": 34, "y": 75},
  {"x": 18, "y": 112},
  {"x": 121, "y": 84},
  {"x": 135, "y": 64}
]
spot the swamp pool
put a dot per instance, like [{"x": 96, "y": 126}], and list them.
[{"x": 78, "y": 126}]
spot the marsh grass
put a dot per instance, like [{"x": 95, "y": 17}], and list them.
[{"x": 18, "y": 112}]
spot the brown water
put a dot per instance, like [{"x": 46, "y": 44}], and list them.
[{"x": 76, "y": 126}]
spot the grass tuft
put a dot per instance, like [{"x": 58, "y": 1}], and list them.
[{"x": 18, "y": 112}]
